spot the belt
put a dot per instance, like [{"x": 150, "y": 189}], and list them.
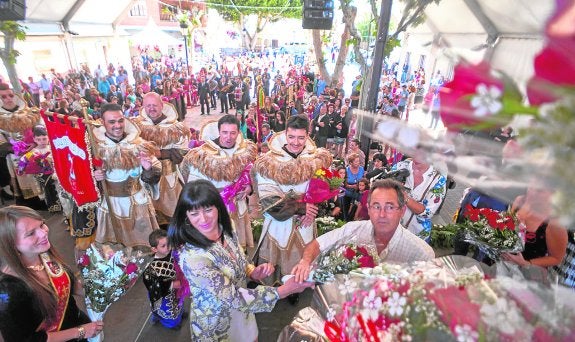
[{"x": 127, "y": 188}]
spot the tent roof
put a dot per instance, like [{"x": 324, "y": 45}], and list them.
[{"x": 84, "y": 17}]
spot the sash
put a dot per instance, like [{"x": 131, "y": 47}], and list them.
[{"x": 61, "y": 282}]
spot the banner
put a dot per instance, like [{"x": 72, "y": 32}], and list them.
[{"x": 72, "y": 157}]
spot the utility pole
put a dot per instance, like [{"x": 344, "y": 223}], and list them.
[{"x": 376, "y": 66}]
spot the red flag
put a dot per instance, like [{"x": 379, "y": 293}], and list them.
[{"x": 72, "y": 158}]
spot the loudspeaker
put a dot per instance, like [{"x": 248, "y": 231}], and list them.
[{"x": 12, "y": 10}]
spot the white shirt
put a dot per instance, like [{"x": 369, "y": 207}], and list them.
[{"x": 404, "y": 246}]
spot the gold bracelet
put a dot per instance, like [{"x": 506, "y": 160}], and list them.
[
  {"x": 81, "y": 333},
  {"x": 249, "y": 269}
]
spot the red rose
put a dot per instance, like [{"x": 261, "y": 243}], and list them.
[
  {"x": 362, "y": 250},
  {"x": 366, "y": 261},
  {"x": 131, "y": 268},
  {"x": 84, "y": 261},
  {"x": 471, "y": 213},
  {"x": 349, "y": 253}
]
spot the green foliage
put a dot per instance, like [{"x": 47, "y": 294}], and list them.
[
  {"x": 443, "y": 236},
  {"x": 12, "y": 31},
  {"x": 271, "y": 9}
]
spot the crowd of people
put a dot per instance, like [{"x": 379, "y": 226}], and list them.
[{"x": 186, "y": 191}]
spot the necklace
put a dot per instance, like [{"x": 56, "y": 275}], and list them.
[{"x": 36, "y": 268}]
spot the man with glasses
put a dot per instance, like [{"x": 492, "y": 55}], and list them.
[{"x": 394, "y": 243}]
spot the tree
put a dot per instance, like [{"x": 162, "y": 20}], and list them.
[
  {"x": 412, "y": 15},
  {"x": 12, "y": 31},
  {"x": 266, "y": 11}
]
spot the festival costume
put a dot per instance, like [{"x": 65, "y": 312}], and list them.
[
  {"x": 281, "y": 181},
  {"x": 35, "y": 326},
  {"x": 127, "y": 182},
  {"x": 16, "y": 125},
  {"x": 171, "y": 137},
  {"x": 222, "y": 307},
  {"x": 166, "y": 304},
  {"x": 224, "y": 168},
  {"x": 38, "y": 163}
]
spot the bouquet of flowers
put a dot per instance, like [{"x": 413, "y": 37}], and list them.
[
  {"x": 34, "y": 163},
  {"x": 492, "y": 231},
  {"x": 327, "y": 223},
  {"x": 342, "y": 259},
  {"x": 107, "y": 275},
  {"x": 323, "y": 186},
  {"x": 429, "y": 303}
]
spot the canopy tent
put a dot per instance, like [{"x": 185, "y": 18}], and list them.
[
  {"x": 78, "y": 17},
  {"x": 508, "y": 33},
  {"x": 151, "y": 34}
]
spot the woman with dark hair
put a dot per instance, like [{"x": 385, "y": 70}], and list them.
[
  {"x": 217, "y": 270},
  {"x": 26, "y": 254}
]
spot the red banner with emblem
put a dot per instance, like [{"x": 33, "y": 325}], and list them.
[{"x": 72, "y": 157}]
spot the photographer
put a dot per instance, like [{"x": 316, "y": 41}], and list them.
[
  {"x": 425, "y": 191},
  {"x": 380, "y": 166}
]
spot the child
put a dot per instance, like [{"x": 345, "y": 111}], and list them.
[
  {"x": 162, "y": 279},
  {"x": 38, "y": 162},
  {"x": 361, "y": 210}
]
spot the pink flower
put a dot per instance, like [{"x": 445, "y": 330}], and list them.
[
  {"x": 473, "y": 96},
  {"x": 131, "y": 268}
]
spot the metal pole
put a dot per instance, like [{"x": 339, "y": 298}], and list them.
[
  {"x": 373, "y": 90},
  {"x": 186, "y": 48}
]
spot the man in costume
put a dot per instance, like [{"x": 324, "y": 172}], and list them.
[
  {"x": 225, "y": 160},
  {"x": 158, "y": 123},
  {"x": 16, "y": 123},
  {"x": 282, "y": 176},
  {"x": 129, "y": 165}
]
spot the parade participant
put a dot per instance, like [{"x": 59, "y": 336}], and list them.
[
  {"x": 225, "y": 159},
  {"x": 162, "y": 280},
  {"x": 217, "y": 271},
  {"x": 128, "y": 162},
  {"x": 158, "y": 123},
  {"x": 394, "y": 243},
  {"x": 41, "y": 287},
  {"x": 16, "y": 123},
  {"x": 282, "y": 176}
]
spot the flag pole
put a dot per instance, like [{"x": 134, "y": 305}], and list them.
[{"x": 92, "y": 141}]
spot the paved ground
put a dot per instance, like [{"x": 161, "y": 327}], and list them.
[{"x": 128, "y": 319}]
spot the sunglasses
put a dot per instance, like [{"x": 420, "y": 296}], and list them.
[{"x": 8, "y": 96}]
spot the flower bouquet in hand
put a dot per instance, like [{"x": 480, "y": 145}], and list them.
[
  {"x": 342, "y": 259},
  {"x": 323, "y": 186},
  {"x": 107, "y": 275},
  {"x": 492, "y": 231},
  {"x": 34, "y": 163}
]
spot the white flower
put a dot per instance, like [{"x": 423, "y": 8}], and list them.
[
  {"x": 486, "y": 100},
  {"x": 330, "y": 315},
  {"x": 371, "y": 304},
  {"x": 396, "y": 303},
  {"x": 347, "y": 287},
  {"x": 502, "y": 315},
  {"x": 408, "y": 137},
  {"x": 464, "y": 333},
  {"x": 388, "y": 129}
]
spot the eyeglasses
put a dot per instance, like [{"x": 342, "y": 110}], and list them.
[
  {"x": 388, "y": 208},
  {"x": 8, "y": 96}
]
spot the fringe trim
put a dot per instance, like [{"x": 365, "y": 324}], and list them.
[
  {"x": 122, "y": 156},
  {"x": 163, "y": 135},
  {"x": 20, "y": 120},
  {"x": 220, "y": 167},
  {"x": 294, "y": 171}
]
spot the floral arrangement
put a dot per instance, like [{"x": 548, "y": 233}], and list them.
[
  {"x": 34, "y": 163},
  {"x": 427, "y": 302},
  {"x": 492, "y": 231},
  {"x": 257, "y": 226},
  {"x": 323, "y": 186},
  {"x": 342, "y": 259},
  {"x": 327, "y": 223},
  {"x": 107, "y": 275}
]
